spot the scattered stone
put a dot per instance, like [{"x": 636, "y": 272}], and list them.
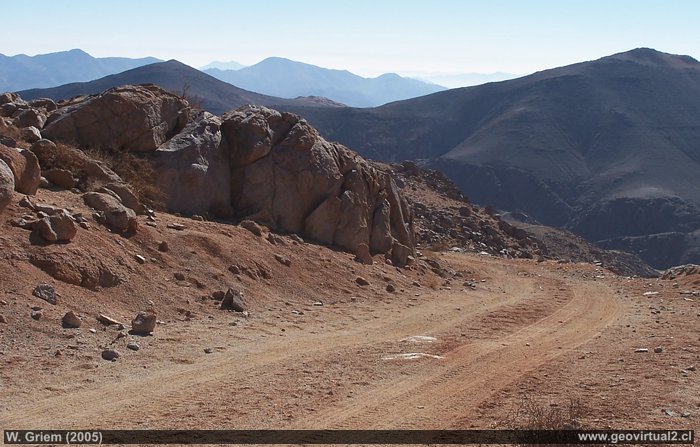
[
  {"x": 163, "y": 246},
  {"x": 176, "y": 226},
  {"x": 25, "y": 169},
  {"x": 133, "y": 346},
  {"x": 104, "y": 319},
  {"x": 296, "y": 238},
  {"x": 140, "y": 259},
  {"x": 92, "y": 330},
  {"x": 208, "y": 350},
  {"x": 641, "y": 350},
  {"x": 3, "y": 319},
  {"x": 361, "y": 281},
  {"x": 318, "y": 303},
  {"x": 143, "y": 324},
  {"x": 390, "y": 288},
  {"x": 685, "y": 415},
  {"x": 46, "y": 292},
  {"x": 37, "y": 314},
  {"x": 7, "y": 184},
  {"x": 56, "y": 228},
  {"x": 62, "y": 178},
  {"x": 252, "y": 227},
  {"x": 25, "y": 202},
  {"x": 669, "y": 412},
  {"x": 30, "y": 134},
  {"x": 179, "y": 276},
  {"x": 658, "y": 350},
  {"x": 233, "y": 300},
  {"x": 234, "y": 269},
  {"x": 282, "y": 260},
  {"x": 110, "y": 354},
  {"x": 71, "y": 321},
  {"x": 218, "y": 295},
  {"x": 275, "y": 240},
  {"x": 363, "y": 255},
  {"x": 117, "y": 216},
  {"x": 691, "y": 368}
]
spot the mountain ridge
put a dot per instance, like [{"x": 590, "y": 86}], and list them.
[
  {"x": 21, "y": 71},
  {"x": 202, "y": 89},
  {"x": 286, "y": 78},
  {"x": 567, "y": 145}
]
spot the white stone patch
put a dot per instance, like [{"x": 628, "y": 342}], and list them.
[
  {"x": 419, "y": 339},
  {"x": 411, "y": 356}
]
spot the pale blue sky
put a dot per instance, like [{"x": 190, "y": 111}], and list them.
[{"x": 367, "y": 37}]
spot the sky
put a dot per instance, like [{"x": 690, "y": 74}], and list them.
[{"x": 367, "y": 37}]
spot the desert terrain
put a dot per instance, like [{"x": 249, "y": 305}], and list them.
[{"x": 317, "y": 350}]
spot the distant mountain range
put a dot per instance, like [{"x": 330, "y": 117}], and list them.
[
  {"x": 289, "y": 79},
  {"x": 464, "y": 79},
  {"x": 49, "y": 70},
  {"x": 230, "y": 65},
  {"x": 609, "y": 148},
  {"x": 210, "y": 93}
]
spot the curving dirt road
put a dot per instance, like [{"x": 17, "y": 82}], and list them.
[{"x": 340, "y": 366}]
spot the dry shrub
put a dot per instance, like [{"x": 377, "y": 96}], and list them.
[
  {"x": 439, "y": 246},
  {"x": 532, "y": 414},
  {"x": 432, "y": 281},
  {"x": 136, "y": 170}
]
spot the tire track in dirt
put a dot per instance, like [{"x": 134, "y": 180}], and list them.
[{"x": 171, "y": 395}]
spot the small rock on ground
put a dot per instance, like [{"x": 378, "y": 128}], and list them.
[
  {"x": 361, "y": 281},
  {"x": 46, "y": 292},
  {"x": 71, "y": 321},
  {"x": 110, "y": 354},
  {"x": 133, "y": 346}
]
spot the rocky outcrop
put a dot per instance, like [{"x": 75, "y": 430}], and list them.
[
  {"x": 131, "y": 118},
  {"x": 253, "y": 163},
  {"x": 286, "y": 175},
  {"x": 193, "y": 169},
  {"x": 7, "y": 184},
  {"x": 25, "y": 168}
]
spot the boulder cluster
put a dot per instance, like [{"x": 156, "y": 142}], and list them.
[{"x": 251, "y": 163}]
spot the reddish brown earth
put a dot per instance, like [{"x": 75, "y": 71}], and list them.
[{"x": 518, "y": 330}]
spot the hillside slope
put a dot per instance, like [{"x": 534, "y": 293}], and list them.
[{"x": 609, "y": 148}]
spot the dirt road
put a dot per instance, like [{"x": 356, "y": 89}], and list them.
[{"x": 347, "y": 365}]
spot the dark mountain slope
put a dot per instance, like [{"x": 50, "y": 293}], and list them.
[
  {"x": 212, "y": 94},
  {"x": 581, "y": 146}
]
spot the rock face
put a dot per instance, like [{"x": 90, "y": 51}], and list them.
[
  {"x": 193, "y": 169},
  {"x": 131, "y": 118},
  {"x": 7, "y": 184},
  {"x": 254, "y": 163},
  {"x": 24, "y": 166},
  {"x": 284, "y": 174}
]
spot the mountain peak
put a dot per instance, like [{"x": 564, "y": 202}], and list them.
[{"x": 645, "y": 55}]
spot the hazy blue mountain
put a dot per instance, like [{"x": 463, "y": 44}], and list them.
[
  {"x": 22, "y": 72},
  {"x": 206, "y": 91},
  {"x": 289, "y": 79},
  {"x": 230, "y": 65},
  {"x": 608, "y": 148}
]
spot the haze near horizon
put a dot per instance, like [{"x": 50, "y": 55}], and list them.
[{"x": 367, "y": 38}]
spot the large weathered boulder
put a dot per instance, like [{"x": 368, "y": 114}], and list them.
[
  {"x": 24, "y": 166},
  {"x": 192, "y": 169},
  {"x": 30, "y": 118},
  {"x": 7, "y": 184},
  {"x": 117, "y": 216},
  {"x": 131, "y": 118},
  {"x": 283, "y": 173}
]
